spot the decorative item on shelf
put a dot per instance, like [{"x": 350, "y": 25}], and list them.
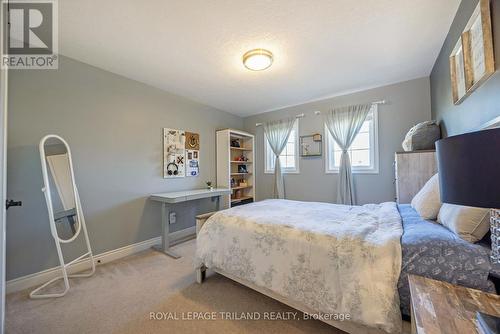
[
  {"x": 209, "y": 185},
  {"x": 472, "y": 61},
  {"x": 235, "y": 143},
  {"x": 241, "y": 158},
  {"x": 311, "y": 146},
  {"x": 243, "y": 183},
  {"x": 237, "y": 194},
  {"x": 233, "y": 182},
  {"x": 242, "y": 169}
]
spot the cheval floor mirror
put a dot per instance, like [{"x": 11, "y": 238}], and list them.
[{"x": 65, "y": 213}]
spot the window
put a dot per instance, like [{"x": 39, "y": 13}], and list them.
[
  {"x": 289, "y": 158},
  {"x": 363, "y": 152}
]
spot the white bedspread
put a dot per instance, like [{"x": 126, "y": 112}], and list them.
[{"x": 335, "y": 259}]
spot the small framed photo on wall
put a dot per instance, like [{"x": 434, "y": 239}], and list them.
[{"x": 311, "y": 146}]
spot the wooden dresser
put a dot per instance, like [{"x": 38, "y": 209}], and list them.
[{"x": 412, "y": 171}]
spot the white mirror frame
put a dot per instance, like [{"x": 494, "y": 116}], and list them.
[
  {"x": 47, "y": 191},
  {"x": 88, "y": 256}
]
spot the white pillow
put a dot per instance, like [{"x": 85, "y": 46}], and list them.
[
  {"x": 469, "y": 223},
  {"x": 427, "y": 201}
]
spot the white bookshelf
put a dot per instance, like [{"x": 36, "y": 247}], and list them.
[{"x": 229, "y": 166}]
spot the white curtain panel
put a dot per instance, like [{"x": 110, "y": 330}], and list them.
[
  {"x": 277, "y": 133},
  {"x": 344, "y": 124}
]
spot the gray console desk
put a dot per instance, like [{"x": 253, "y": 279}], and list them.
[{"x": 168, "y": 199}]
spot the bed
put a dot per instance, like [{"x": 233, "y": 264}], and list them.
[
  {"x": 333, "y": 260},
  {"x": 431, "y": 250}
]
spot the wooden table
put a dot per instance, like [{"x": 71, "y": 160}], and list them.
[
  {"x": 440, "y": 307},
  {"x": 167, "y": 199}
]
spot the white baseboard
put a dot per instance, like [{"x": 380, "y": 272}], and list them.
[
  {"x": 41, "y": 277},
  {"x": 182, "y": 235}
]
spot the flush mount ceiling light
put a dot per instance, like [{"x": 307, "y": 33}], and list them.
[{"x": 257, "y": 59}]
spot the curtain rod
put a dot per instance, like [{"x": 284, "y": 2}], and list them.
[
  {"x": 319, "y": 112},
  {"x": 296, "y": 116}
]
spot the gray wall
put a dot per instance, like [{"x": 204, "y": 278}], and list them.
[
  {"x": 114, "y": 126},
  {"x": 484, "y": 104},
  {"x": 408, "y": 104}
]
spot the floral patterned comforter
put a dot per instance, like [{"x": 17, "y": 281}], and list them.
[{"x": 335, "y": 259}]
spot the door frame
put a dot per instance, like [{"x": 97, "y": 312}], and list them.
[
  {"x": 3, "y": 173},
  {"x": 3, "y": 188}
]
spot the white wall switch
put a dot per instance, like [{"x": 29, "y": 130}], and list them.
[{"x": 172, "y": 218}]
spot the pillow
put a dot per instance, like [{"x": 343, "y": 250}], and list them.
[
  {"x": 469, "y": 223},
  {"x": 422, "y": 136},
  {"x": 427, "y": 201}
]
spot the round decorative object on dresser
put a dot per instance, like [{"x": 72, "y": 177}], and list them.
[{"x": 422, "y": 136}]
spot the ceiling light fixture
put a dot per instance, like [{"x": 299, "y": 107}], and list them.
[{"x": 257, "y": 59}]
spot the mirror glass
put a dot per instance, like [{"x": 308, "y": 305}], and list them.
[{"x": 62, "y": 193}]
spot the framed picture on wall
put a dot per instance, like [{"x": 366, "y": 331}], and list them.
[
  {"x": 457, "y": 71},
  {"x": 311, "y": 146},
  {"x": 472, "y": 59},
  {"x": 478, "y": 44}
]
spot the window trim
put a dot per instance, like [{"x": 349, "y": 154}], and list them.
[
  {"x": 268, "y": 151},
  {"x": 357, "y": 170}
]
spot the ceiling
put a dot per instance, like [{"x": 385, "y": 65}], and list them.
[{"x": 194, "y": 47}]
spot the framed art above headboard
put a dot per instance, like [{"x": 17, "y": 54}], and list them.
[{"x": 472, "y": 60}]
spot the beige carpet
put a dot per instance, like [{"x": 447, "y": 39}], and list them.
[{"x": 122, "y": 295}]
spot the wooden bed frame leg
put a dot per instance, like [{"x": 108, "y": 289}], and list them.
[{"x": 200, "y": 274}]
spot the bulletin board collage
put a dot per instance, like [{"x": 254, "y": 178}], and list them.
[{"x": 181, "y": 153}]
